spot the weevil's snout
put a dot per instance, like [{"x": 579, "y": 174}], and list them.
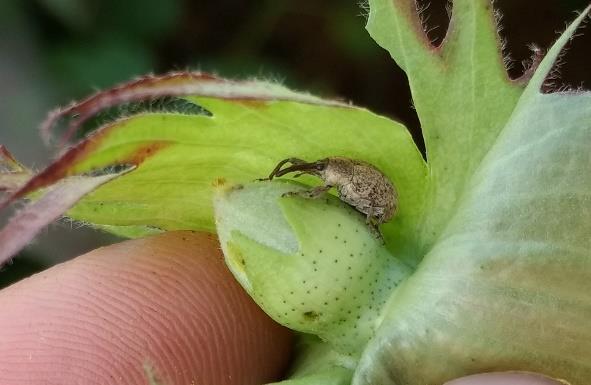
[{"x": 316, "y": 168}]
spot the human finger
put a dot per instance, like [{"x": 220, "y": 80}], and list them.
[{"x": 166, "y": 302}]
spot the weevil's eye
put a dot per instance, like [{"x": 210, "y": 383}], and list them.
[{"x": 321, "y": 164}]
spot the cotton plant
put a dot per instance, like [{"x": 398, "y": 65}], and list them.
[{"x": 485, "y": 266}]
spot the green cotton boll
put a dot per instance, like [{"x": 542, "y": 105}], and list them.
[{"x": 312, "y": 264}]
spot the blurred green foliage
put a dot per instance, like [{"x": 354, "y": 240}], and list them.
[{"x": 101, "y": 43}]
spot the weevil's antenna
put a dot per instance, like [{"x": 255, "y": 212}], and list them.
[
  {"x": 297, "y": 167},
  {"x": 278, "y": 167},
  {"x": 294, "y": 161}
]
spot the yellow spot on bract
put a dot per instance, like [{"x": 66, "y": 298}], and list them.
[{"x": 219, "y": 182}]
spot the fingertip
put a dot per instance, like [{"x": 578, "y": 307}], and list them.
[
  {"x": 505, "y": 378},
  {"x": 166, "y": 301}
]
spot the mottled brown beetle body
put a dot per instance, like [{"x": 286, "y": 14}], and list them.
[{"x": 358, "y": 183}]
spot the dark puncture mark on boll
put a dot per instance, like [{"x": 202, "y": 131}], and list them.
[{"x": 311, "y": 315}]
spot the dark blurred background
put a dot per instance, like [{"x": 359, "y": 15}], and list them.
[{"x": 54, "y": 51}]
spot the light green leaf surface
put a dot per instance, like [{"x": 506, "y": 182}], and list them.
[
  {"x": 317, "y": 364},
  {"x": 240, "y": 142},
  {"x": 507, "y": 286},
  {"x": 461, "y": 92}
]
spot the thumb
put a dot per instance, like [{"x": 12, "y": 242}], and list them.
[
  {"x": 166, "y": 301},
  {"x": 508, "y": 378}
]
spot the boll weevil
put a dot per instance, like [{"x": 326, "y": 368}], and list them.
[{"x": 358, "y": 183}]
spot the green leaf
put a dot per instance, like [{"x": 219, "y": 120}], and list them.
[
  {"x": 50, "y": 206},
  {"x": 318, "y": 364},
  {"x": 461, "y": 92},
  {"x": 12, "y": 173},
  {"x": 507, "y": 285},
  {"x": 241, "y": 141}
]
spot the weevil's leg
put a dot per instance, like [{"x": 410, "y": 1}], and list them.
[
  {"x": 317, "y": 191},
  {"x": 375, "y": 230},
  {"x": 368, "y": 218},
  {"x": 312, "y": 193},
  {"x": 373, "y": 224}
]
